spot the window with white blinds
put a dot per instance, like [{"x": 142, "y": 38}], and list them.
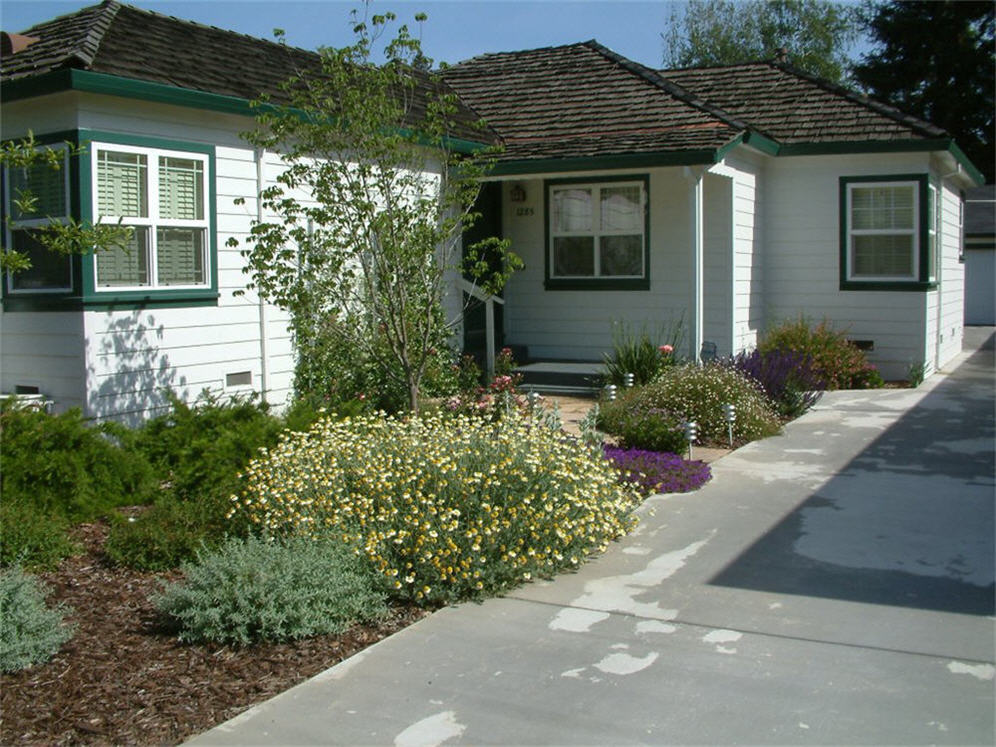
[
  {"x": 162, "y": 195},
  {"x": 882, "y": 230}
]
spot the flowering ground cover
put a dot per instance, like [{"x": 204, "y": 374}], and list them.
[{"x": 658, "y": 472}]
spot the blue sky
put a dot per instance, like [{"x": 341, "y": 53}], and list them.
[{"x": 455, "y": 30}]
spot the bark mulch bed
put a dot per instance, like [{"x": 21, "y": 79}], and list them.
[{"x": 122, "y": 679}]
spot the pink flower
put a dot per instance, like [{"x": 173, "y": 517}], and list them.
[{"x": 666, "y": 349}]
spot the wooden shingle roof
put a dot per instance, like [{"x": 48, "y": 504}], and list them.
[
  {"x": 135, "y": 44},
  {"x": 791, "y": 106},
  {"x": 582, "y": 100}
]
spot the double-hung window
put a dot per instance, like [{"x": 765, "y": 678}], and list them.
[
  {"x": 162, "y": 196},
  {"x": 597, "y": 234},
  {"x": 38, "y": 196},
  {"x": 889, "y": 232}
]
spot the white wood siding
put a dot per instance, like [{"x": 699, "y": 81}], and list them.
[
  {"x": 950, "y": 295},
  {"x": 802, "y": 255},
  {"x": 718, "y": 259},
  {"x": 133, "y": 355},
  {"x": 44, "y": 350},
  {"x": 748, "y": 238},
  {"x": 577, "y": 325},
  {"x": 130, "y": 356}
]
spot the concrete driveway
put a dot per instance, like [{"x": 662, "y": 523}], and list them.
[{"x": 833, "y": 585}]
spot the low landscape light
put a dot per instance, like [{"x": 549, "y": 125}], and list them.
[
  {"x": 730, "y": 413},
  {"x": 610, "y": 392},
  {"x": 691, "y": 434},
  {"x": 628, "y": 380}
]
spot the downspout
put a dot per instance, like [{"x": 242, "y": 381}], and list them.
[
  {"x": 264, "y": 361},
  {"x": 698, "y": 252}
]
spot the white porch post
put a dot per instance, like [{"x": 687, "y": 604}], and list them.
[
  {"x": 695, "y": 177},
  {"x": 489, "y": 336}
]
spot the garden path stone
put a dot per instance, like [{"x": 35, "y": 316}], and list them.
[{"x": 830, "y": 585}]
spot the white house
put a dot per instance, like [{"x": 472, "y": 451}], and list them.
[
  {"x": 158, "y": 104},
  {"x": 734, "y": 197}
]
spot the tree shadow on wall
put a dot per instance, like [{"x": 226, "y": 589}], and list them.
[{"x": 129, "y": 374}]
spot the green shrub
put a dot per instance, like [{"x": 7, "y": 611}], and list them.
[
  {"x": 199, "y": 449},
  {"x": 637, "y": 425},
  {"x": 31, "y": 632},
  {"x": 446, "y": 507},
  {"x": 254, "y": 590},
  {"x": 642, "y": 354},
  {"x": 31, "y": 537},
  {"x": 691, "y": 392},
  {"x": 67, "y": 466},
  {"x": 834, "y": 359},
  {"x": 169, "y": 533}
]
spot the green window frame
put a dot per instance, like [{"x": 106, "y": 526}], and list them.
[
  {"x": 597, "y": 233},
  {"x": 889, "y": 232},
  {"x": 49, "y": 189},
  {"x": 162, "y": 287}
]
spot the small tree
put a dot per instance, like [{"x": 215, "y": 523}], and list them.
[
  {"x": 369, "y": 209},
  {"x": 66, "y": 237},
  {"x": 816, "y": 34}
]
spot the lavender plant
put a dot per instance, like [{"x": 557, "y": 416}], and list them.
[{"x": 788, "y": 378}]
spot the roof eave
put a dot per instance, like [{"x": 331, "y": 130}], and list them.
[{"x": 69, "y": 79}]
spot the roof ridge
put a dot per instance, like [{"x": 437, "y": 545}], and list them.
[
  {"x": 108, "y": 9},
  {"x": 188, "y": 22},
  {"x": 876, "y": 106},
  {"x": 487, "y": 55},
  {"x": 679, "y": 92},
  {"x": 717, "y": 66}
]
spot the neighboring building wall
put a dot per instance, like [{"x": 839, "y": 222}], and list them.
[
  {"x": 802, "y": 255},
  {"x": 577, "y": 325},
  {"x": 980, "y": 280},
  {"x": 44, "y": 350}
]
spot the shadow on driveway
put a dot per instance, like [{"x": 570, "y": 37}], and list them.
[{"x": 909, "y": 522}]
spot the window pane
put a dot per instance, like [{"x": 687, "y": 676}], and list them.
[
  {"x": 45, "y": 184},
  {"x": 571, "y": 210},
  {"x": 181, "y": 188},
  {"x": 122, "y": 187},
  {"x": 621, "y": 255},
  {"x": 621, "y": 209},
  {"x": 882, "y": 207},
  {"x": 885, "y": 256},
  {"x": 574, "y": 256},
  {"x": 125, "y": 266},
  {"x": 180, "y": 256},
  {"x": 48, "y": 269}
]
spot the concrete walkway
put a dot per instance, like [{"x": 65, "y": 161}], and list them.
[{"x": 833, "y": 585}]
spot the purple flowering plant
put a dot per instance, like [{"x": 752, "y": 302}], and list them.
[{"x": 657, "y": 471}]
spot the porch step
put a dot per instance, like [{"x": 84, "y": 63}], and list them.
[{"x": 561, "y": 377}]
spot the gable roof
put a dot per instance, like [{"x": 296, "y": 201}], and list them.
[
  {"x": 794, "y": 107},
  {"x": 583, "y": 106},
  {"x": 139, "y": 45},
  {"x": 583, "y": 100}
]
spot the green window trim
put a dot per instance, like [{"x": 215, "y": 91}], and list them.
[
  {"x": 921, "y": 278},
  {"x": 84, "y": 294},
  {"x": 603, "y": 283},
  {"x": 45, "y": 297}
]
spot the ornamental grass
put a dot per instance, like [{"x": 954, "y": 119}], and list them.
[{"x": 446, "y": 508}]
